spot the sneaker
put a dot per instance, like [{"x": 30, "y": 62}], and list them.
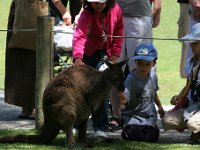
[{"x": 101, "y": 134}]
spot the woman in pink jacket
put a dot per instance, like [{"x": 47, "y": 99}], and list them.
[{"x": 90, "y": 43}]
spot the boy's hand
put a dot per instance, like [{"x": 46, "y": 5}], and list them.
[{"x": 161, "y": 112}]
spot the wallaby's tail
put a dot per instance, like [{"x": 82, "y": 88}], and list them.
[
  {"x": 45, "y": 137},
  {"x": 32, "y": 139}
]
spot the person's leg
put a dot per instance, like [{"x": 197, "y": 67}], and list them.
[
  {"x": 116, "y": 104},
  {"x": 100, "y": 120},
  {"x": 75, "y": 7},
  {"x": 194, "y": 125},
  {"x": 183, "y": 25},
  {"x": 100, "y": 116},
  {"x": 189, "y": 53},
  {"x": 20, "y": 80},
  {"x": 138, "y": 28}
]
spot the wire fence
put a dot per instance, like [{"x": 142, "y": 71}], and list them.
[{"x": 109, "y": 36}]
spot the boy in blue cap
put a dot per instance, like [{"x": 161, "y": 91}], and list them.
[{"x": 141, "y": 87}]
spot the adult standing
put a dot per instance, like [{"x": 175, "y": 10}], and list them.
[
  {"x": 20, "y": 64},
  {"x": 139, "y": 18}
]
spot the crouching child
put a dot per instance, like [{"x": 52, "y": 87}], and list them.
[{"x": 141, "y": 85}]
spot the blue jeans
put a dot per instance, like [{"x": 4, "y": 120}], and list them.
[{"x": 100, "y": 117}]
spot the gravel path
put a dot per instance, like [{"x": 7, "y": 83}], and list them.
[{"x": 9, "y": 120}]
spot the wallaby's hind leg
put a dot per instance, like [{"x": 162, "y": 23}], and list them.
[
  {"x": 82, "y": 131},
  {"x": 69, "y": 134}
]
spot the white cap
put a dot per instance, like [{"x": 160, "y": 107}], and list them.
[
  {"x": 194, "y": 35},
  {"x": 99, "y": 1}
]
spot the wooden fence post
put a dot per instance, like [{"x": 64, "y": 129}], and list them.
[{"x": 44, "y": 63}]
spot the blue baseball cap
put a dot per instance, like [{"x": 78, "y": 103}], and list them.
[{"x": 145, "y": 51}]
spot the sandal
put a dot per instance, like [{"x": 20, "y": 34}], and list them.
[{"x": 115, "y": 126}]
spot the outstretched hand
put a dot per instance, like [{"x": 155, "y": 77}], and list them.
[{"x": 161, "y": 112}]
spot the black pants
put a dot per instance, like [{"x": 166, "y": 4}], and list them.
[
  {"x": 143, "y": 133},
  {"x": 100, "y": 117}
]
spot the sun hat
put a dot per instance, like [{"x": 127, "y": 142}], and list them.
[
  {"x": 145, "y": 51},
  {"x": 99, "y": 1},
  {"x": 194, "y": 35}
]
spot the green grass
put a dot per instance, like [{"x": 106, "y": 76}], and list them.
[
  {"x": 169, "y": 52},
  {"x": 116, "y": 144}
]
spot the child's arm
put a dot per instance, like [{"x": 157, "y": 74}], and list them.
[
  {"x": 176, "y": 98},
  {"x": 180, "y": 101},
  {"x": 159, "y": 105}
]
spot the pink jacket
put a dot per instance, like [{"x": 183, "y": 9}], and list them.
[{"x": 89, "y": 25}]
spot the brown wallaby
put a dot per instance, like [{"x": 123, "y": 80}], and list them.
[{"x": 69, "y": 99}]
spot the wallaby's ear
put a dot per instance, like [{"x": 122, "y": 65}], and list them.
[{"x": 122, "y": 62}]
